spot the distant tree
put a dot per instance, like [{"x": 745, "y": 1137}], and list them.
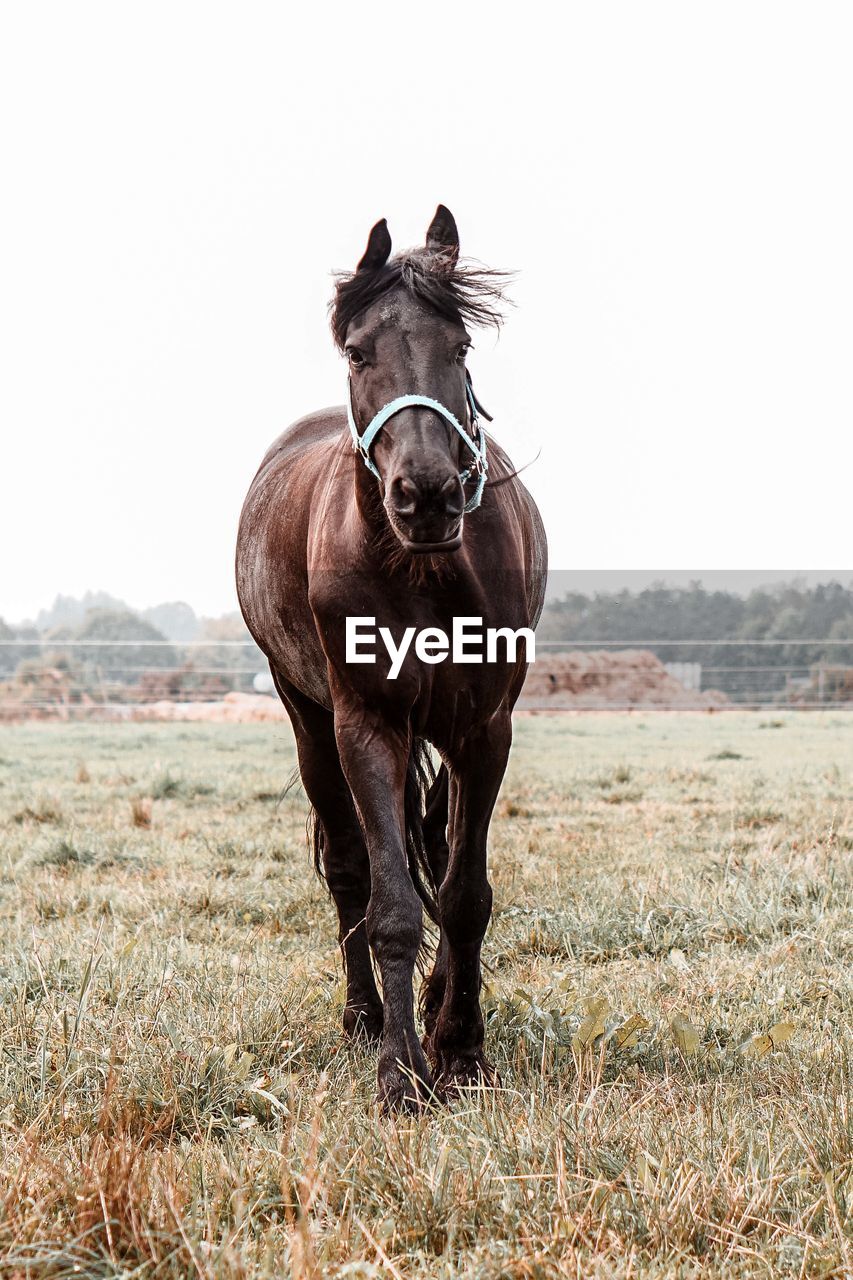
[
  {"x": 176, "y": 620},
  {"x": 70, "y": 611},
  {"x": 7, "y": 637},
  {"x": 842, "y": 628},
  {"x": 241, "y": 661},
  {"x": 122, "y": 662},
  {"x": 16, "y": 645}
]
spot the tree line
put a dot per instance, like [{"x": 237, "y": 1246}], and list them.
[{"x": 677, "y": 623}]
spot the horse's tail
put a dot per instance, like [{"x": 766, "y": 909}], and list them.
[
  {"x": 420, "y": 776},
  {"x": 316, "y": 841}
]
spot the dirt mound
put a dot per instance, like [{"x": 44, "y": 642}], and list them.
[
  {"x": 599, "y": 678},
  {"x": 235, "y": 708}
]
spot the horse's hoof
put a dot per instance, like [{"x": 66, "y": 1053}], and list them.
[
  {"x": 456, "y": 1072},
  {"x": 401, "y": 1090},
  {"x": 364, "y": 1023}
]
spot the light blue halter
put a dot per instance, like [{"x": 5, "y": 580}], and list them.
[{"x": 479, "y": 467}]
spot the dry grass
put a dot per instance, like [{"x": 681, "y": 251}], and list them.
[{"x": 176, "y": 1100}]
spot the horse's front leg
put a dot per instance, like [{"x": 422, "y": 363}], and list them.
[
  {"x": 374, "y": 760},
  {"x": 465, "y": 904}
]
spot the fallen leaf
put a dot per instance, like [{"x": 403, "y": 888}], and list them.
[
  {"x": 684, "y": 1034},
  {"x": 781, "y": 1032},
  {"x": 756, "y": 1046},
  {"x": 243, "y": 1065},
  {"x": 625, "y": 1037},
  {"x": 592, "y": 1025},
  {"x": 760, "y": 1045}
]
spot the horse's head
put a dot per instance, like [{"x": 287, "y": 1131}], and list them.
[{"x": 402, "y": 326}]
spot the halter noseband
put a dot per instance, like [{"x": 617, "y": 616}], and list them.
[{"x": 479, "y": 467}]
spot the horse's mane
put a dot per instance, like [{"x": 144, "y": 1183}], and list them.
[{"x": 459, "y": 289}]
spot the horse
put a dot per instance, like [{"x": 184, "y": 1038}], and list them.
[{"x": 396, "y": 508}]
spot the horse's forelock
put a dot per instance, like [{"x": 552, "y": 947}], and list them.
[{"x": 456, "y": 288}]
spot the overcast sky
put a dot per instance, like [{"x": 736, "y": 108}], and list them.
[{"x": 672, "y": 183}]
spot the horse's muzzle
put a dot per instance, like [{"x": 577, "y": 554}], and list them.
[
  {"x": 426, "y": 517},
  {"x": 424, "y": 548}
]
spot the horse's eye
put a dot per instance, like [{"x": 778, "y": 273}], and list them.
[
  {"x": 355, "y": 358},
  {"x": 462, "y": 353}
]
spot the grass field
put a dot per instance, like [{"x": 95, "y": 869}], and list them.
[{"x": 176, "y": 1098}]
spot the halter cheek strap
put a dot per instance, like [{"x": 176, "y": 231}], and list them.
[{"x": 480, "y": 465}]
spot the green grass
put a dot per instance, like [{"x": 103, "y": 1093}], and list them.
[{"x": 176, "y": 1098}]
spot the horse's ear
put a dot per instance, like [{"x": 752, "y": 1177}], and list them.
[
  {"x": 378, "y": 248},
  {"x": 443, "y": 234}
]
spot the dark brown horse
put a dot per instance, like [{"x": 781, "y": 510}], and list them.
[{"x": 328, "y": 533}]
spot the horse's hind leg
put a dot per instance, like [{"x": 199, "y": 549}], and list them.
[
  {"x": 465, "y": 903},
  {"x": 344, "y": 856}
]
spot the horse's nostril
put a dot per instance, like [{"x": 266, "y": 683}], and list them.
[
  {"x": 405, "y": 496},
  {"x": 452, "y": 496},
  {"x": 428, "y": 497}
]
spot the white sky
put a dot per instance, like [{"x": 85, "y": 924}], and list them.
[{"x": 672, "y": 181}]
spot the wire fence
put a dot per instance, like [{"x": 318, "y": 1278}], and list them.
[{"x": 47, "y": 676}]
